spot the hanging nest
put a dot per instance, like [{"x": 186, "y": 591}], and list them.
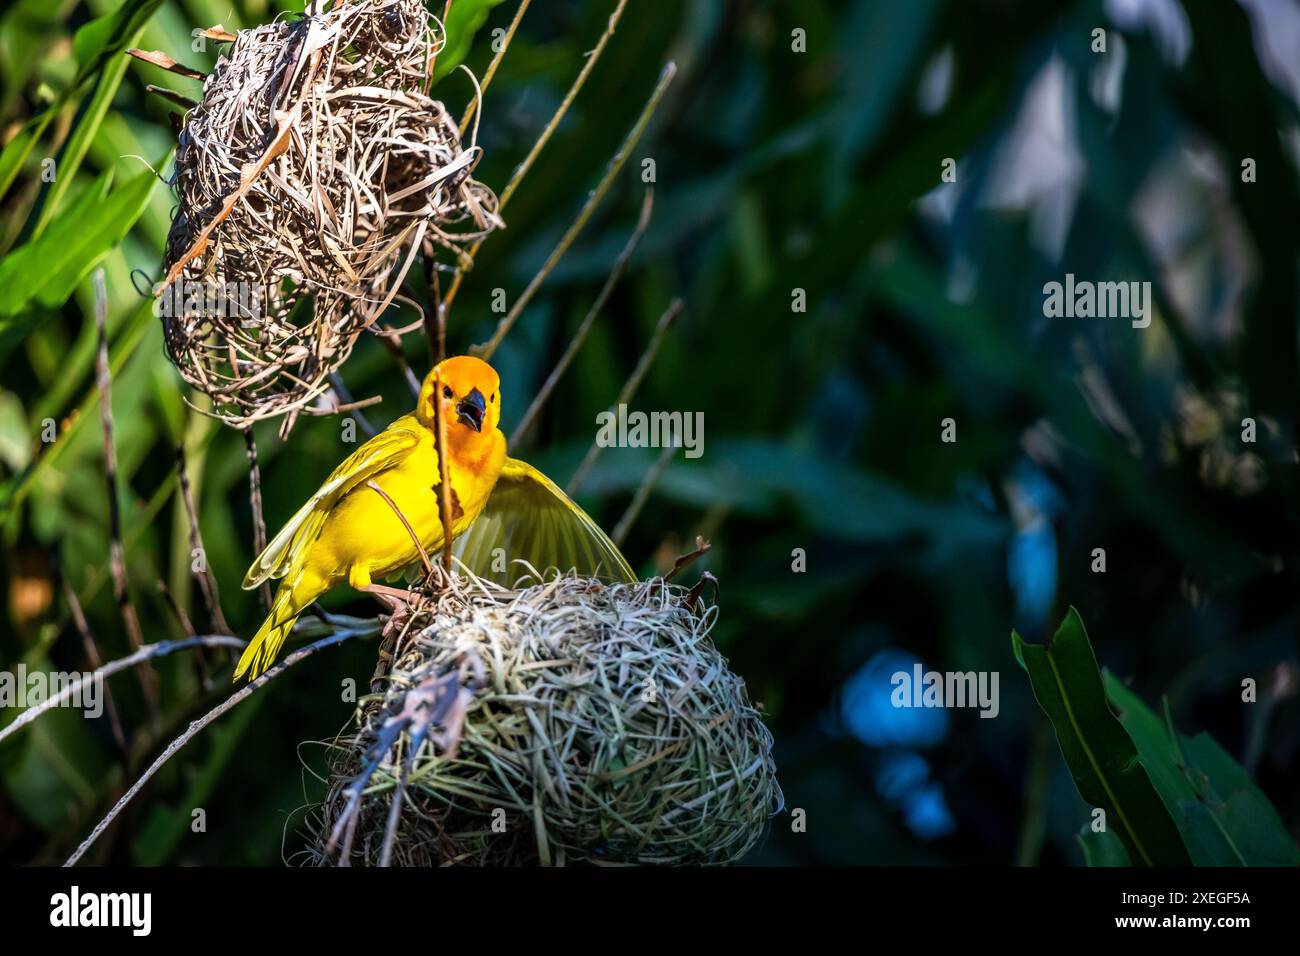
[
  {"x": 569, "y": 722},
  {"x": 313, "y": 170}
]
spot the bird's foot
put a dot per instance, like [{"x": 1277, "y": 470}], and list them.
[
  {"x": 390, "y": 595},
  {"x": 399, "y": 601}
]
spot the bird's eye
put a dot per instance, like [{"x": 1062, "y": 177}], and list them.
[
  {"x": 446, "y": 392},
  {"x": 494, "y": 396}
]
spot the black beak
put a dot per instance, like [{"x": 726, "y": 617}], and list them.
[{"x": 470, "y": 410}]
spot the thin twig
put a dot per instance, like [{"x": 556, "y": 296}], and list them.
[
  {"x": 218, "y": 33},
  {"x": 187, "y": 627},
  {"x": 592, "y": 59},
  {"x": 594, "y": 199},
  {"x": 435, "y": 319},
  {"x": 444, "y": 472},
  {"x": 415, "y": 539},
  {"x": 164, "y": 62},
  {"x": 642, "y": 493},
  {"x": 548, "y": 130},
  {"x": 393, "y": 343},
  {"x": 347, "y": 403},
  {"x": 395, "y": 813},
  {"x": 148, "y": 652},
  {"x": 96, "y": 662},
  {"x": 209, "y": 717},
  {"x": 629, "y": 389},
  {"x": 247, "y": 177},
  {"x": 207, "y": 580},
  {"x": 686, "y": 560},
  {"x": 580, "y": 336},
  {"x": 181, "y": 100},
  {"x": 694, "y": 594},
  {"x": 433, "y": 55},
  {"x": 492, "y": 67},
  {"x": 255, "y": 501},
  {"x": 117, "y": 556}
]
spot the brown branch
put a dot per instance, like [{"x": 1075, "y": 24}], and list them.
[
  {"x": 548, "y": 131},
  {"x": 629, "y": 389},
  {"x": 433, "y": 56},
  {"x": 415, "y": 539},
  {"x": 255, "y": 501},
  {"x": 642, "y": 494},
  {"x": 693, "y": 596},
  {"x": 207, "y": 580},
  {"x": 444, "y": 472},
  {"x": 686, "y": 560},
  {"x": 209, "y": 717},
  {"x": 393, "y": 343},
  {"x": 435, "y": 319},
  {"x": 554, "y": 123},
  {"x": 96, "y": 662},
  {"x": 187, "y": 627},
  {"x": 218, "y": 33},
  {"x": 117, "y": 555},
  {"x": 580, "y": 336},
  {"x": 348, "y": 404},
  {"x": 492, "y": 67},
  {"x": 594, "y": 199},
  {"x": 180, "y": 99}
]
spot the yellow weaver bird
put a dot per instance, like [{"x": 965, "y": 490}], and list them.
[{"x": 347, "y": 531}]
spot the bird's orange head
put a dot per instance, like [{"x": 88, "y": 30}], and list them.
[{"x": 471, "y": 398}]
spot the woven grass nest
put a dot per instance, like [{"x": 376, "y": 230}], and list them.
[
  {"x": 563, "y": 723},
  {"x": 313, "y": 170}
]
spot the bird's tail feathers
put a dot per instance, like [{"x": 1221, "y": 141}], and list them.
[{"x": 266, "y": 643}]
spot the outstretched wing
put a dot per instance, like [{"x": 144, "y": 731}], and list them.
[
  {"x": 528, "y": 517},
  {"x": 378, "y": 454}
]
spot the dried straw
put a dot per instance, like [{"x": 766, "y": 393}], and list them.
[
  {"x": 313, "y": 170},
  {"x": 566, "y": 722}
]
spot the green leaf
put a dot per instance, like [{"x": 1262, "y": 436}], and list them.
[
  {"x": 1224, "y": 818},
  {"x": 1237, "y": 805},
  {"x": 104, "y": 37},
  {"x": 1099, "y": 752},
  {"x": 1102, "y": 849},
  {"x": 94, "y": 45},
  {"x": 87, "y": 126},
  {"x": 462, "y": 23},
  {"x": 1208, "y": 844},
  {"x": 46, "y": 270},
  {"x": 19, "y": 148}
]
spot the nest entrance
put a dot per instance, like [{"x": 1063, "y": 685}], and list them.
[
  {"x": 311, "y": 173},
  {"x": 565, "y": 723}
]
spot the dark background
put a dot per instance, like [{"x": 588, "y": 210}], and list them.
[{"x": 776, "y": 170}]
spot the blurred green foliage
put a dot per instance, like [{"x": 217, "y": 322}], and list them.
[{"x": 777, "y": 169}]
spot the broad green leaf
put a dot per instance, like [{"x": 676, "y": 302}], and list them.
[
  {"x": 1099, "y": 752},
  {"x": 94, "y": 45},
  {"x": 105, "y": 37},
  {"x": 1102, "y": 849},
  {"x": 462, "y": 23},
  {"x": 45, "y": 467},
  {"x": 1233, "y": 801},
  {"x": 87, "y": 126},
  {"x": 1205, "y": 838},
  {"x": 1224, "y": 818},
  {"x": 46, "y": 270}
]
